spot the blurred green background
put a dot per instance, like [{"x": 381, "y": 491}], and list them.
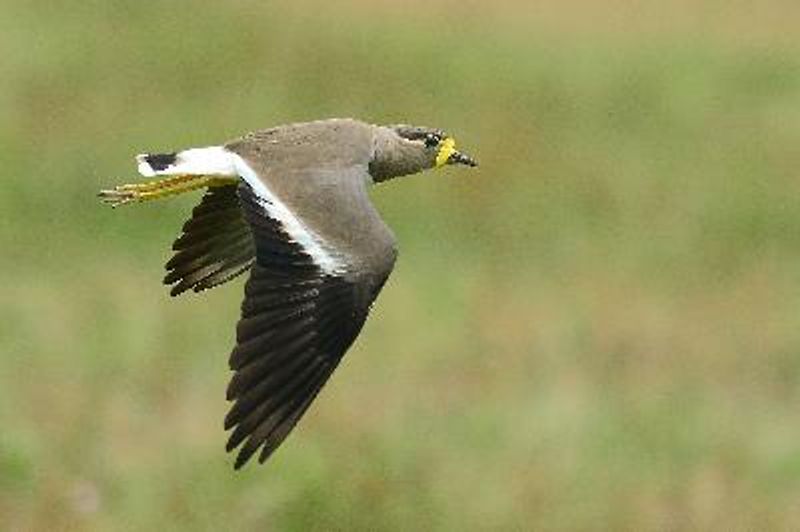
[{"x": 599, "y": 328}]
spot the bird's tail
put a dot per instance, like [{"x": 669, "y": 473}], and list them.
[{"x": 184, "y": 171}]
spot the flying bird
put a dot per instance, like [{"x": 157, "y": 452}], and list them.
[{"x": 289, "y": 204}]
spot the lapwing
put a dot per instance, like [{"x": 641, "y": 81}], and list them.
[{"x": 289, "y": 204}]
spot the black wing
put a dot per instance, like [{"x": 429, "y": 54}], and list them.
[
  {"x": 296, "y": 324},
  {"x": 216, "y": 244}
]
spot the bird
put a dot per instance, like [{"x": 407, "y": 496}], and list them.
[{"x": 290, "y": 205}]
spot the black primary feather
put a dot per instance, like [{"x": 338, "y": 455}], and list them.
[{"x": 216, "y": 244}]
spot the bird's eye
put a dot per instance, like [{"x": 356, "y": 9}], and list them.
[{"x": 432, "y": 140}]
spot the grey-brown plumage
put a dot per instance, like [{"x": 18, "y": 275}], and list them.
[{"x": 290, "y": 205}]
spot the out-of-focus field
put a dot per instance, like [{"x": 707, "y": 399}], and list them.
[{"x": 599, "y": 328}]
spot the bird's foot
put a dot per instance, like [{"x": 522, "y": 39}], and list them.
[{"x": 171, "y": 186}]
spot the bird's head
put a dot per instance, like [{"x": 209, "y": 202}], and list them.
[
  {"x": 410, "y": 149},
  {"x": 437, "y": 147}
]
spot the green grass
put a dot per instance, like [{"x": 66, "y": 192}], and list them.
[{"x": 599, "y": 328}]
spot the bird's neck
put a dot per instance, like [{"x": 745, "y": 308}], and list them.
[{"x": 393, "y": 158}]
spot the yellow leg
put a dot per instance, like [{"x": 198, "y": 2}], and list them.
[{"x": 171, "y": 186}]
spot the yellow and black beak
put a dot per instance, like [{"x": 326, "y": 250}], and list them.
[{"x": 448, "y": 154}]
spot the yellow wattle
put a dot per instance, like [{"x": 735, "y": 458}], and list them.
[{"x": 447, "y": 149}]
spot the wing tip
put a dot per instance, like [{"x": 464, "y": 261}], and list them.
[{"x": 241, "y": 460}]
